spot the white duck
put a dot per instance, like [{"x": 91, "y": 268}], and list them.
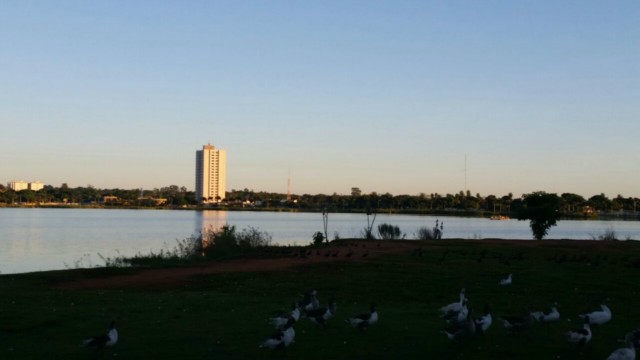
[
  {"x": 457, "y": 317},
  {"x": 456, "y": 306},
  {"x": 506, "y": 281},
  {"x": 484, "y": 322},
  {"x": 461, "y": 329},
  {"x": 110, "y": 338},
  {"x": 281, "y": 339},
  {"x": 321, "y": 315},
  {"x": 279, "y": 322},
  {"x": 363, "y": 321},
  {"x": 547, "y": 316},
  {"x": 580, "y": 336},
  {"x": 626, "y": 353},
  {"x": 598, "y": 317},
  {"x": 309, "y": 302}
]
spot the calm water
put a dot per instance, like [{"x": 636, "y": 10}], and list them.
[{"x": 51, "y": 239}]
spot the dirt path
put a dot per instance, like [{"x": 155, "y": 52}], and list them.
[{"x": 163, "y": 278}]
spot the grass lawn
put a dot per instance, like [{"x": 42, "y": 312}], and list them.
[{"x": 225, "y": 316}]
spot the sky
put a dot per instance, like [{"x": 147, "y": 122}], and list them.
[{"x": 405, "y": 97}]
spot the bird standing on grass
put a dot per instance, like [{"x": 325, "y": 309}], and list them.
[
  {"x": 625, "y": 353},
  {"x": 309, "y": 302},
  {"x": 484, "y": 322},
  {"x": 461, "y": 329},
  {"x": 321, "y": 315},
  {"x": 279, "y": 322},
  {"x": 363, "y": 321},
  {"x": 456, "y": 306},
  {"x": 506, "y": 281},
  {"x": 580, "y": 336},
  {"x": 281, "y": 339},
  {"x": 110, "y": 338}
]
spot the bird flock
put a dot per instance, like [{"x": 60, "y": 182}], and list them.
[
  {"x": 461, "y": 323},
  {"x": 309, "y": 307}
]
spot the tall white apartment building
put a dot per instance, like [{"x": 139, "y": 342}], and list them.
[{"x": 211, "y": 174}]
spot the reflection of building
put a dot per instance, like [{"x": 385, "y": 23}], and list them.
[
  {"x": 23, "y": 185},
  {"x": 210, "y": 220},
  {"x": 211, "y": 173}
]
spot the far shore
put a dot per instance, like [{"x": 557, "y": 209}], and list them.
[{"x": 439, "y": 212}]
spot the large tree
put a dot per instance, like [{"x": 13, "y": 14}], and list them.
[{"x": 542, "y": 210}]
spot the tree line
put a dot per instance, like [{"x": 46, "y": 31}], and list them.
[{"x": 463, "y": 202}]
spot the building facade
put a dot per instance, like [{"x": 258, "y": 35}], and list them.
[
  {"x": 211, "y": 174},
  {"x": 19, "y": 185}
]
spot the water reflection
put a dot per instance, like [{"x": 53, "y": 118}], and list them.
[{"x": 210, "y": 220}]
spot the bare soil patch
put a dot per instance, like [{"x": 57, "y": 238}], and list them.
[{"x": 176, "y": 277}]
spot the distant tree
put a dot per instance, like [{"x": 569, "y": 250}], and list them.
[
  {"x": 542, "y": 210},
  {"x": 355, "y": 191}
]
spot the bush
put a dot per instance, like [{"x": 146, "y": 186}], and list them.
[
  {"x": 318, "y": 238},
  {"x": 389, "y": 232},
  {"x": 424, "y": 233},
  {"x": 226, "y": 241},
  {"x": 608, "y": 235}
]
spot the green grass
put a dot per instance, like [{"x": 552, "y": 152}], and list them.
[{"x": 225, "y": 316}]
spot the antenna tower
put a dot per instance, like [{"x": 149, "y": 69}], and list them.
[{"x": 289, "y": 187}]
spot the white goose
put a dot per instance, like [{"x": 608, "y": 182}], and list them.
[
  {"x": 309, "y": 302},
  {"x": 484, "y": 322},
  {"x": 363, "y": 321},
  {"x": 461, "y": 329},
  {"x": 321, "y": 315},
  {"x": 110, "y": 338},
  {"x": 281, "y": 339},
  {"x": 626, "y": 353},
  {"x": 580, "y": 336},
  {"x": 456, "y": 306},
  {"x": 547, "y": 316},
  {"x": 279, "y": 322},
  {"x": 598, "y": 317},
  {"x": 506, "y": 281},
  {"x": 457, "y": 317}
]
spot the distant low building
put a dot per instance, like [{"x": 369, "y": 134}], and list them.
[
  {"x": 36, "y": 185},
  {"x": 110, "y": 199},
  {"x": 18, "y": 185}
]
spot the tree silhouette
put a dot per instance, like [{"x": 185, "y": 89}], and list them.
[{"x": 542, "y": 210}]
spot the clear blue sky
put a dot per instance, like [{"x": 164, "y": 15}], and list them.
[{"x": 388, "y": 96}]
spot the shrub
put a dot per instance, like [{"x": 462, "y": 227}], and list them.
[
  {"x": 608, "y": 235},
  {"x": 424, "y": 233},
  {"x": 318, "y": 238},
  {"x": 389, "y": 232}
]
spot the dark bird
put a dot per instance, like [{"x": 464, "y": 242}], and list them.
[
  {"x": 110, "y": 338},
  {"x": 363, "y": 321}
]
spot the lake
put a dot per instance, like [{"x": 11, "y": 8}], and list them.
[{"x": 53, "y": 239}]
